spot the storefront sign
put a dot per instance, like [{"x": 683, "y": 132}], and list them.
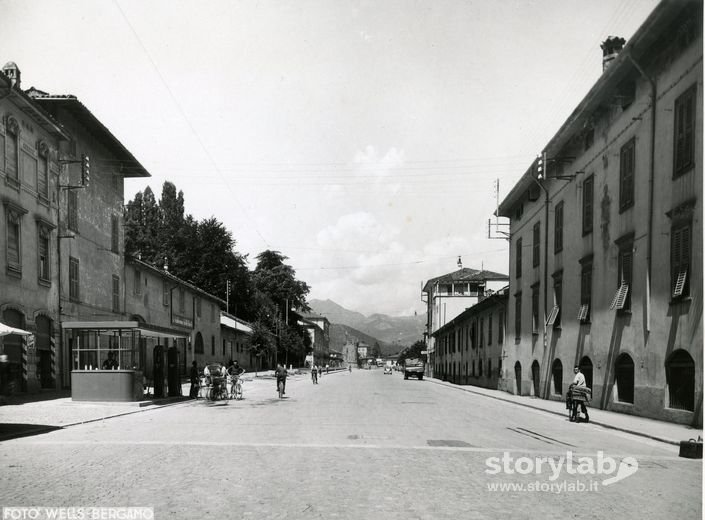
[{"x": 182, "y": 321}]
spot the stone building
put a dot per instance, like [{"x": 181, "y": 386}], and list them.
[
  {"x": 606, "y": 234},
  {"x": 235, "y": 334},
  {"x": 470, "y": 347},
  {"x": 448, "y": 295},
  {"x": 29, "y": 268}
]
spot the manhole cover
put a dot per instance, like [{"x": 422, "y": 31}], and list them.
[{"x": 449, "y": 443}]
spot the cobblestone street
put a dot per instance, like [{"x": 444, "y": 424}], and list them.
[{"x": 359, "y": 445}]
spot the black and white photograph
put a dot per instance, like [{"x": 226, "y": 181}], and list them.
[{"x": 351, "y": 259}]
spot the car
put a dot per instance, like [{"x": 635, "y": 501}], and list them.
[{"x": 387, "y": 369}]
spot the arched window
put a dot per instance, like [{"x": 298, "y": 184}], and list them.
[
  {"x": 586, "y": 368},
  {"x": 557, "y": 375},
  {"x": 536, "y": 377},
  {"x": 624, "y": 377},
  {"x": 198, "y": 349},
  {"x": 517, "y": 376},
  {"x": 680, "y": 376}
]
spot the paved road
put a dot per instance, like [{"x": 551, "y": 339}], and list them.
[{"x": 360, "y": 445}]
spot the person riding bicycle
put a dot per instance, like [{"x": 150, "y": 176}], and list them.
[{"x": 281, "y": 373}]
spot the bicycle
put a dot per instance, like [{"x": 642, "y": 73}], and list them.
[
  {"x": 236, "y": 387},
  {"x": 280, "y": 388}
]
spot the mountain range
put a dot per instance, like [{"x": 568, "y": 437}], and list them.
[{"x": 391, "y": 332}]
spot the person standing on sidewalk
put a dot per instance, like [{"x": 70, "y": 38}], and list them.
[{"x": 193, "y": 376}]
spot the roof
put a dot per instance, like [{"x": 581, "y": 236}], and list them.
[
  {"x": 654, "y": 29},
  {"x": 492, "y": 300},
  {"x": 167, "y": 274},
  {"x": 129, "y": 167},
  {"x": 465, "y": 275},
  {"x": 313, "y": 316},
  {"x": 32, "y": 109},
  {"x": 233, "y": 322}
]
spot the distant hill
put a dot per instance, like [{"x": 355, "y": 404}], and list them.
[{"x": 398, "y": 332}]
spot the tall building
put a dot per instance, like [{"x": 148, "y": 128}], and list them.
[
  {"x": 606, "y": 233},
  {"x": 30, "y": 139}
]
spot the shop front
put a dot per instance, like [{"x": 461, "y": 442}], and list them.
[{"x": 110, "y": 360}]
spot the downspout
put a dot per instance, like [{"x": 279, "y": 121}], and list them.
[
  {"x": 652, "y": 161},
  {"x": 545, "y": 265}
]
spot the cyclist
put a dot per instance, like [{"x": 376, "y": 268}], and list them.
[{"x": 281, "y": 374}]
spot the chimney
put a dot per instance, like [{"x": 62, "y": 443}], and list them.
[
  {"x": 610, "y": 49},
  {"x": 12, "y": 71}
]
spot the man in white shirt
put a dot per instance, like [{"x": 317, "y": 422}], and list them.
[{"x": 579, "y": 379}]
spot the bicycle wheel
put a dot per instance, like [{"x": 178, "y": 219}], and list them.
[
  {"x": 238, "y": 390},
  {"x": 280, "y": 388}
]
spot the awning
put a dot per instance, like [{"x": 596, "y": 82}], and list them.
[
  {"x": 6, "y": 330},
  {"x": 147, "y": 330}
]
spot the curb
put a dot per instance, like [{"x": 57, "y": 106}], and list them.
[{"x": 561, "y": 414}]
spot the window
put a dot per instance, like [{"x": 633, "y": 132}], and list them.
[
  {"x": 165, "y": 293},
  {"x": 72, "y": 210},
  {"x": 535, "y": 308},
  {"x": 12, "y": 165},
  {"x": 680, "y": 376},
  {"x": 537, "y": 245},
  {"x": 585, "y": 290},
  {"x": 43, "y": 171},
  {"x": 116, "y": 293},
  {"x": 115, "y": 235},
  {"x": 518, "y": 257},
  {"x": 43, "y": 253},
  {"x": 517, "y": 315},
  {"x": 182, "y": 300},
  {"x": 198, "y": 347},
  {"x": 684, "y": 133},
  {"x": 624, "y": 377},
  {"x": 489, "y": 329},
  {"x": 479, "y": 367},
  {"x": 554, "y": 318},
  {"x": 489, "y": 368},
  {"x": 626, "y": 175},
  {"x": 14, "y": 239},
  {"x": 482, "y": 332},
  {"x": 557, "y": 376},
  {"x": 500, "y": 327},
  {"x": 138, "y": 282},
  {"x": 588, "y": 199},
  {"x": 198, "y": 307},
  {"x": 73, "y": 279},
  {"x": 213, "y": 345},
  {"x": 680, "y": 260},
  {"x": 622, "y": 298},
  {"x": 29, "y": 169},
  {"x": 558, "y": 229}
]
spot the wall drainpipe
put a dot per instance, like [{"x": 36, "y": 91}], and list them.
[{"x": 652, "y": 156}]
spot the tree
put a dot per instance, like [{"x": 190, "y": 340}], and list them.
[
  {"x": 261, "y": 343},
  {"x": 414, "y": 351},
  {"x": 277, "y": 281}
]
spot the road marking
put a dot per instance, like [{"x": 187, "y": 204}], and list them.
[{"x": 289, "y": 445}]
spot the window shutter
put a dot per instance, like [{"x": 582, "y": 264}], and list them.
[
  {"x": 583, "y": 312},
  {"x": 553, "y": 315}
]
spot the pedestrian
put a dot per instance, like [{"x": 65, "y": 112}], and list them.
[
  {"x": 326, "y": 369},
  {"x": 280, "y": 374},
  {"x": 193, "y": 376},
  {"x": 581, "y": 394},
  {"x": 314, "y": 374},
  {"x": 4, "y": 374}
]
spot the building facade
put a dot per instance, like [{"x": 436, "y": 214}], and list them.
[
  {"x": 470, "y": 347},
  {"x": 235, "y": 336},
  {"x": 29, "y": 194},
  {"x": 606, "y": 234},
  {"x": 449, "y": 295}
]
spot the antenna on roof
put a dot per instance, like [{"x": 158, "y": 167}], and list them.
[{"x": 460, "y": 262}]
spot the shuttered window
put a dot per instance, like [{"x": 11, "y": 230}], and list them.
[
  {"x": 558, "y": 229},
  {"x": 626, "y": 175},
  {"x": 43, "y": 177},
  {"x": 518, "y": 258},
  {"x": 684, "y": 128},
  {"x": 73, "y": 279},
  {"x": 536, "y": 257},
  {"x": 588, "y": 197},
  {"x": 680, "y": 261}
]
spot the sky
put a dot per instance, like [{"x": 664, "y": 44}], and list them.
[{"x": 364, "y": 140}]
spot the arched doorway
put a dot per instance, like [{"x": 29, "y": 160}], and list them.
[
  {"x": 680, "y": 377},
  {"x": 536, "y": 377},
  {"x": 624, "y": 378},
  {"x": 13, "y": 347},
  {"x": 557, "y": 376},
  {"x": 45, "y": 354},
  {"x": 586, "y": 368},
  {"x": 517, "y": 377}
]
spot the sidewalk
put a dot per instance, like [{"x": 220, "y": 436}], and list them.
[{"x": 662, "y": 431}]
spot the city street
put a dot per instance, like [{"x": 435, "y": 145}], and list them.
[{"x": 357, "y": 445}]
